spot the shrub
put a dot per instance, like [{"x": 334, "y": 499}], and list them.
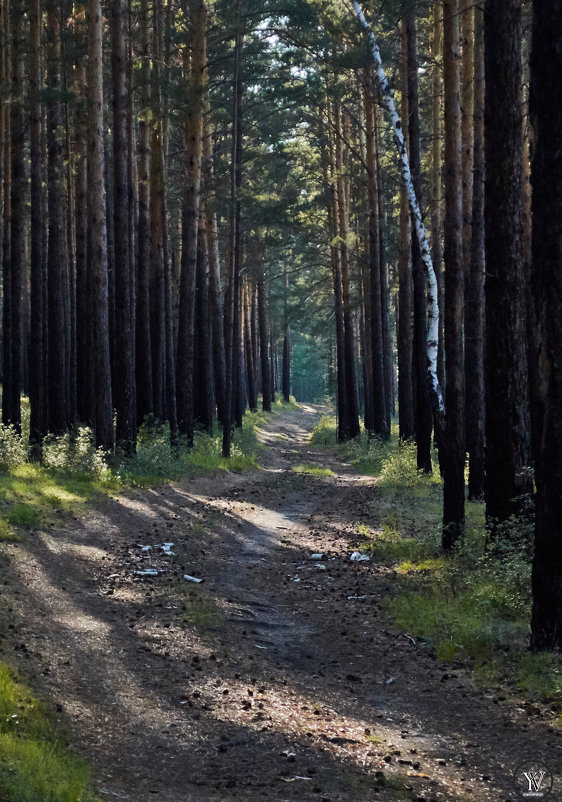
[
  {"x": 399, "y": 468},
  {"x": 12, "y": 449},
  {"x": 325, "y": 432},
  {"x": 75, "y": 452},
  {"x": 155, "y": 456}
]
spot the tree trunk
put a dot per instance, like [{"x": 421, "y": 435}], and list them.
[
  {"x": 233, "y": 247},
  {"x": 5, "y": 170},
  {"x": 56, "y": 256},
  {"x": 546, "y": 117},
  {"x": 436, "y": 191},
  {"x": 11, "y": 407},
  {"x": 341, "y": 394},
  {"x": 203, "y": 384},
  {"x": 157, "y": 223},
  {"x": 406, "y": 404},
  {"x": 423, "y": 420},
  {"x": 36, "y": 379},
  {"x": 267, "y": 384},
  {"x": 84, "y": 387},
  {"x": 379, "y": 422},
  {"x": 143, "y": 346},
  {"x": 215, "y": 291},
  {"x": 342, "y": 226},
  {"x": 385, "y": 292},
  {"x": 507, "y": 408},
  {"x": 194, "y": 138},
  {"x": 248, "y": 351},
  {"x": 97, "y": 229},
  {"x": 453, "y": 444},
  {"x": 474, "y": 286},
  {"x": 124, "y": 379}
]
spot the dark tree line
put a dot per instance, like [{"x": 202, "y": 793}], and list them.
[{"x": 122, "y": 301}]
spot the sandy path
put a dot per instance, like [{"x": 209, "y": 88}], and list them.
[{"x": 271, "y": 680}]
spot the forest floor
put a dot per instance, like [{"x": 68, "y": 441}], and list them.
[{"x": 279, "y": 677}]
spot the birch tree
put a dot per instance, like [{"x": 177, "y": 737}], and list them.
[{"x": 432, "y": 290}]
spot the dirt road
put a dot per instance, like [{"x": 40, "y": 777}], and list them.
[{"x": 276, "y": 678}]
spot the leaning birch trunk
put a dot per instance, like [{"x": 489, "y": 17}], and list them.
[{"x": 432, "y": 290}]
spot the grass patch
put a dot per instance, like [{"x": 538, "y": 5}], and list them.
[
  {"x": 7, "y": 534},
  {"x": 472, "y": 606},
  {"x": 312, "y": 470},
  {"x": 23, "y": 515},
  {"x": 200, "y": 609},
  {"x": 35, "y": 766},
  {"x": 324, "y": 434}
]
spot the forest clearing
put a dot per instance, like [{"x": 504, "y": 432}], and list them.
[{"x": 281, "y": 391}]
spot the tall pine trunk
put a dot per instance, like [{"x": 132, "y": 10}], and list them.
[
  {"x": 342, "y": 197},
  {"x": 405, "y": 342},
  {"x": 36, "y": 378},
  {"x": 474, "y": 287},
  {"x": 143, "y": 345},
  {"x": 157, "y": 224},
  {"x": 453, "y": 445},
  {"x": 378, "y": 418},
  {"x": 507, "y": 407},
  {"x": 124, "y": 379},
  {"x": 190, "y": 221},
  {"x": 546, "y": 117},
  {"x": 56, "y": 255},
  {"x": 11, "y": 407},
  {"x": 97, "y": 229}
]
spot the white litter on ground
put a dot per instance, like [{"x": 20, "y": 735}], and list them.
[
  {"x": 189, "y": 578},
  {"x": 357, "y": 557}
]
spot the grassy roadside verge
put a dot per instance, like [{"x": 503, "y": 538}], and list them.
[
  {"x": 473, "y": 608},
  {"x": 35, "y": 763},
  {"x": 73, "y": 471}
]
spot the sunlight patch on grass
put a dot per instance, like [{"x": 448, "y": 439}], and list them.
[
  {"x": 312, "y": 470},
  {"x": 34, "y": 765}
]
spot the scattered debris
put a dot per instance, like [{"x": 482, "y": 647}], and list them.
[
  {"x": 150, "y": 572},
  {"x": 356, "y": 597},
  {"x": 317, "y": 556},
  {"x": 167, "y": 548},
  {"x": 357, "y": 557},
  {"x": 390, "y": 680},
  {"x": 409, "y": 638},
  {"x": 292, "y": 779},
  {"x": 189, "y": 578}
]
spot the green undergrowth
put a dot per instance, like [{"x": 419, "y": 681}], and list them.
[
  {"x": 35, "y": 765},
  {"x": 312, "y": 470},
  {"x": 473, "y": 606},
  {"x": 72, "y": 471}
]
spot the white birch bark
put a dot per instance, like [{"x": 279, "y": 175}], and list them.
[{"x": 387, "y": 93}]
